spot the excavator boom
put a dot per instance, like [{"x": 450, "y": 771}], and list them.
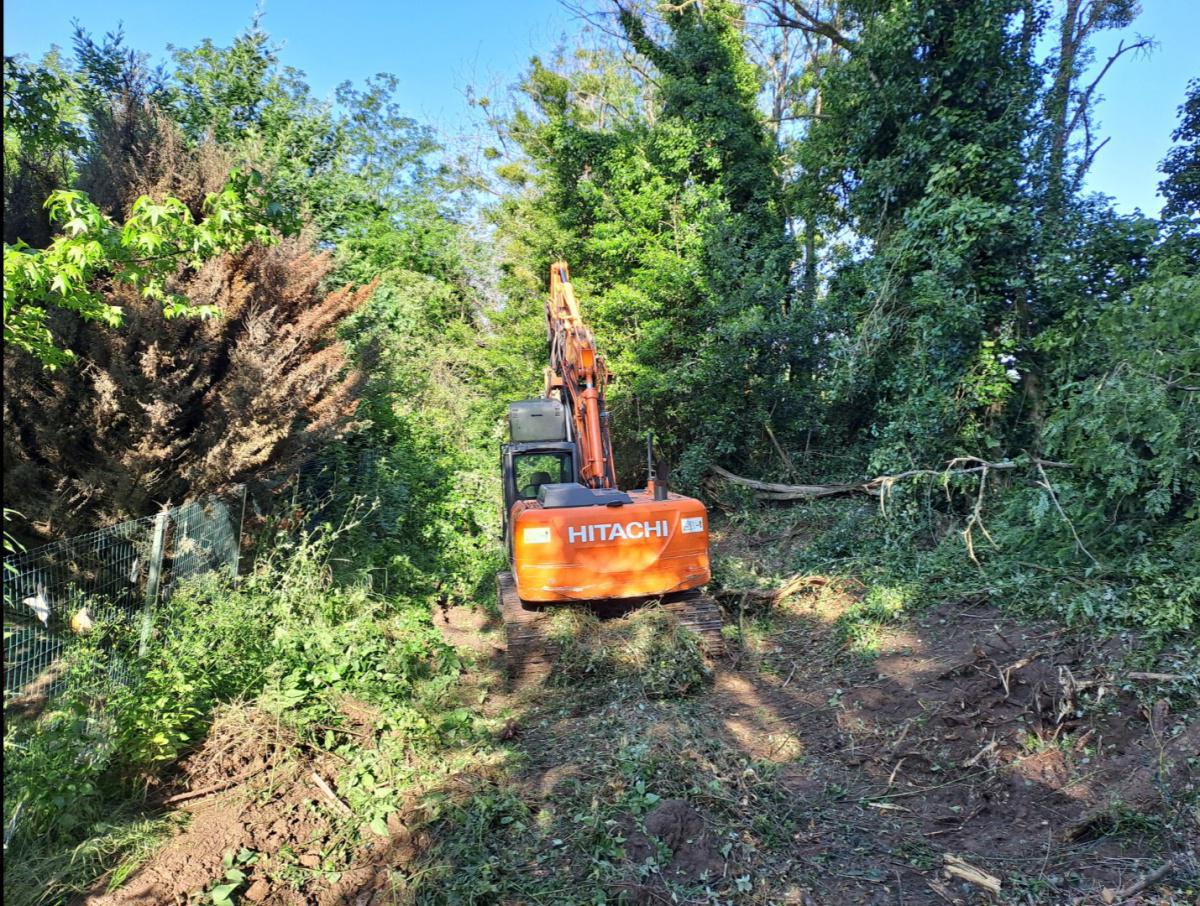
[{"x": 577, "y": 371}]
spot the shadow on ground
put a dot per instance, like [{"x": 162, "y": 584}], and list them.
[
  {"x": 825, "y": 777},
  {"x": 804, "y": 773}
]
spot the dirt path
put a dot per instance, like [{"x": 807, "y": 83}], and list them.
[
  {"x": 803, "y": 774},
  {"x": 969, "y": 735}
]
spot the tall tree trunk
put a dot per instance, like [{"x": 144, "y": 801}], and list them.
[{"x": 1057, "y": 109}]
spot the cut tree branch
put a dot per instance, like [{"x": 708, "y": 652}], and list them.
[
  {"x": 1108, "y": 895},
  {"x": 876, "y": 487},
  {"x": 216, "y": 788},
  {"x": 1045, "y": 483}
]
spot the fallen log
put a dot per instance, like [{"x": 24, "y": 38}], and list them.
[
  {"x": 770, "y": 491},
  {"x": 767, "y": 490}
]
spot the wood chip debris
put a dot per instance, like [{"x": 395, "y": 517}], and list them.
[
  {"x": 985, "y": 752},
  {"x": 959, "y": 868},
  {"x": 887, "y": 806}
]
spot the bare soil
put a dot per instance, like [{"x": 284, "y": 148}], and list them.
[
  {"x": 970, "y": 735},
  {"x": 253, "y": 787},
  {"x": 1010, "y": 746},
  {"x": 804, "y": 774}
]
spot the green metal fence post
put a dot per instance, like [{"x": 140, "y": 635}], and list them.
[
  {"x": 154, "y": 577},
  {"x": 237, "y": 538}
]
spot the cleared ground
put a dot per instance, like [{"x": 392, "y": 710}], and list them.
[{"x": 925, "y": 761}]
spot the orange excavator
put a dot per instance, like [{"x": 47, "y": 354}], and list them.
[{"x": 573, "y": 537}]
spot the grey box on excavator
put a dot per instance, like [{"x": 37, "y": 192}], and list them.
[{"x": 536, "y": 420}]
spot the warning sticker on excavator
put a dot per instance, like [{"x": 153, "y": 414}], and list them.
[
  {"x": 689, "y": 526},
  {"x": 538, "y": 535}
]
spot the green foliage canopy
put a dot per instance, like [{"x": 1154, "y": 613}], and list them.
[
  {"x": 673, "y": 227},
  {"x": 145, "y": 252},
  {"x": 1181, "y": 187}
]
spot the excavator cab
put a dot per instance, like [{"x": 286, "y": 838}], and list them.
[
  {"x": 526, "y": 467},
  {"x": 540, "y": 452}
]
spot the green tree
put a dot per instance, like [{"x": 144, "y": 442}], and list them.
[
  {"x": 921, "y": 139},
  {"x": 664, "y": 197},
  {"x": 235, "y": 92},
  {"x": 145, "y": 252},
  {"x": 1181, "y": 188},
  {"x": 43, "y": 134}
]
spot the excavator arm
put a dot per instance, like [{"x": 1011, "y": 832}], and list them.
[{"x": 578, "y": 377}]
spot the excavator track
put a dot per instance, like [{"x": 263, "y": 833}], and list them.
[
  {"x": 700, "y": 613},
  {"x": 530, "y": 654}
]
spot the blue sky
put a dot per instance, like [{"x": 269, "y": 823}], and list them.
[{"x": 438, "y": 49}]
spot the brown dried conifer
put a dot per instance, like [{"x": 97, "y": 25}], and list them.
[{"x": 162, "y": 410}]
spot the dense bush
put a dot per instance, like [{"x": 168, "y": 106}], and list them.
[{"x": 285, "y": 632}]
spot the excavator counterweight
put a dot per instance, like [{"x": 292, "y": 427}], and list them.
[{"x": 573, "y": 537}]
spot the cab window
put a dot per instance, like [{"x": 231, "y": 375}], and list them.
[{"x": 532, "y": 470}]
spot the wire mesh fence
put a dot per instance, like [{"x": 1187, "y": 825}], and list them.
[
  {"x": 349, "y": 483},
  {"x": 117, "y": 574}
]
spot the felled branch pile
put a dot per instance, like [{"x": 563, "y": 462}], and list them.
[
  {"x": 880, "y": 487},
  {"x": 764, "y": 598}
]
